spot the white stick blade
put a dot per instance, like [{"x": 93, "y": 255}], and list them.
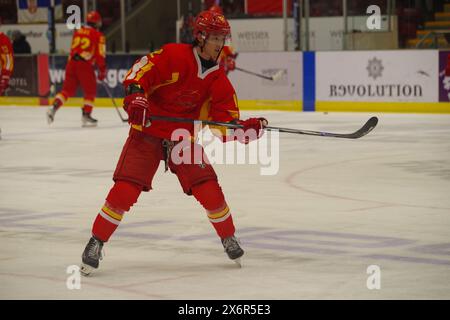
[{"x": 277, "y": 76}]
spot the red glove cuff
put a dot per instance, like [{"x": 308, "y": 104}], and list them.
[
  {"x": 253, "y": 128},
  {"x": 136, "y": 105},
  {"x": 137, "y": 99},
  {"x": 253, "y": 123}
]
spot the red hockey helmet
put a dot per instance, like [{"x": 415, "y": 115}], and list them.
[
  {"x": 211, "y": 22},
  {"x": 216, "y": 8},
  {"x": 94, "y": 17}
]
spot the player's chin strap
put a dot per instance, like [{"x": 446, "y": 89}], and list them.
[{"x": 220, "y": 52}]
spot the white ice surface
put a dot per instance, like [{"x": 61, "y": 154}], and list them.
[{"x": 310, "y": 232}]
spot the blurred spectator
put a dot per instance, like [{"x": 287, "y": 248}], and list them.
[
  {"x": 187, "y": 29},
  {"x": 426, "y": 6},
  {"x": 209, "y": 3},
  {"x": 20, "y": 43},
  {"x": 326, "y": 8},
  {"x": 8, "y": 11},
  {"x": 232, "y": 7}
]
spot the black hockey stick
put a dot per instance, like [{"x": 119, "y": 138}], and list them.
[
  {"x": 275, "y": 77},
  {"x": 105, "y": 86},
  {"x": 365, "y": 129}
]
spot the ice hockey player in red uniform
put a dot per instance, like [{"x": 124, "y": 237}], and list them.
[
  {"x": 6, "y": 62},
  {"x": 180, "y": 80},
  {"x": 228, "y": 59},
  {"x": 87, "y": 51},
  {"x": 228, "y": 55}
]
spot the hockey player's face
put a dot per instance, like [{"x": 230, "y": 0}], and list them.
[{"x": 213, "y": 45}]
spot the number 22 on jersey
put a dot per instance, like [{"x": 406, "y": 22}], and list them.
[{"x": 83, "y": 42}]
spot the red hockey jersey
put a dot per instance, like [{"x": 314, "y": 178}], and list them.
[
  {"x": 177, "y": 86},
  {"x": 227, "y": 58},
  {"x": 89, "y": 44},
  {"x": 6, "y": 55}
]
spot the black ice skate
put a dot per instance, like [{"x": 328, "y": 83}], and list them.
[
  {"x": 51, "y": 114},
  {"x": 88, "y": 121},
  {"x": 91, "y": 256},
  {"x": 233, "y": 250}
]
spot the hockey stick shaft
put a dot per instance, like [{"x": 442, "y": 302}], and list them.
[
  {"x": 255, "y": 74},
  {"x": 365, "y": 129},
  {"x": 204, "y": 122},
  {"x": 108, "y": 92}
]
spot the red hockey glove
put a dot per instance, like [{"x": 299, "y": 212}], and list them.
[
  {"x": 4, "y": 82},
  {"x": 137, "y": 107},
  {"x": 253, "y": 128},
  {"x": 101, "y": 74}
]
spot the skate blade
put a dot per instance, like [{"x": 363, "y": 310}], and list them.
[
  {"x": 86, "y": 270},
  {"x": 238, "y": 262},
  {"x": 49, "y": 119},
  {"x": 88, "y": 125}
]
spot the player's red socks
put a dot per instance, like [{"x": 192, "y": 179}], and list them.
[
  {"x": 124, "y": 194},
  {"x": 106, "y": 222},
  {"x": 87, "y": 108},
  {"x": 211, "y": 197},
  {"x": 59, "y": 100},
  {"x": 119, "y": 200}
]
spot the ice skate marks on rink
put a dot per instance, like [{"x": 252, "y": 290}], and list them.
[{"x": 335, "y": 207}]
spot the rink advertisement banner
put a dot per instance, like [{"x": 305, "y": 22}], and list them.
[
  {"x": 24, "y": 80},
  {"x": 325, "y": 33},
  {"x": 377, "y": 76},
  {"x": 444, "y": 76},
  {"x": 254, "y": 92},
  {"x": 117, "y": 67},
  {"x": 33, "y": 11},
  {"x": 36, "y": 35},
  {"x": 259, "y": 34}
]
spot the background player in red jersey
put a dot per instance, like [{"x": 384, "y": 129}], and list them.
[
  {"x": 88, "y": 50},
  {"x": 6, "y": 62},
  {"x": 180, "y": 80},
  {"x": 228, "y": 59}
]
